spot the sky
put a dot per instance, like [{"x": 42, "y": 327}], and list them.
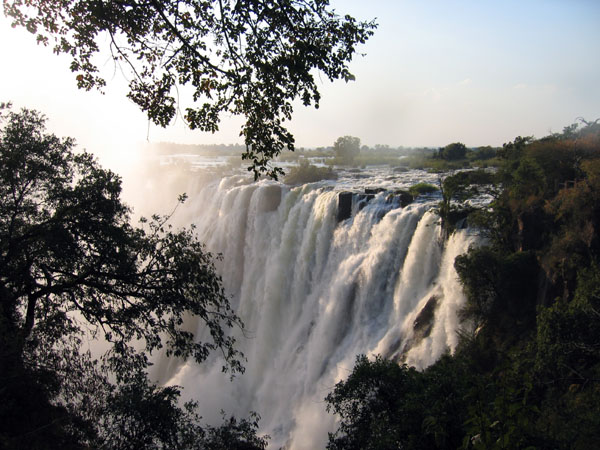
[{"x": 435, "y": 72}]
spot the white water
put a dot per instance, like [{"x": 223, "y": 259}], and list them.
[{"x": 314, "y": 293}]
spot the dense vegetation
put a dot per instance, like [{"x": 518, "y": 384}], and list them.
[
  {"x": 73, "y": 269},
  {"x": 527, "y": 371}
]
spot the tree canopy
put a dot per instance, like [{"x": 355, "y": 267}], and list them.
[
  {"x": 347, "y": 147},
  {"x": 250, "y": 59},
  {"x": 72, "y": 267},
  {"x": 450, "y": 152}
]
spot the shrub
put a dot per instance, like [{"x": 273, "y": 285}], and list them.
[
  {"x": 307, "y": 173},
  {"x": 422, "y": 188}
]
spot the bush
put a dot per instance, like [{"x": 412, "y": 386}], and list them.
[
  {"x": 307, "y": 173},
  {"x": 454, "y": 151},
  {"x": 422, "y": 188}
]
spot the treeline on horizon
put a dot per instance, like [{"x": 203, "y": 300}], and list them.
[
  {"x": 174, "y": 148},
  {"x": 346, "y": 151}
]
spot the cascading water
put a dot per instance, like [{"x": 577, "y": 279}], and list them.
[{"x": 315, "y": 289}]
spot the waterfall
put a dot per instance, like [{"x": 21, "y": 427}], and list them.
[{"x": 314, "y": 291}]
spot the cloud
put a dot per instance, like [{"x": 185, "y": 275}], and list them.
[{"x": 465, "y": 82}]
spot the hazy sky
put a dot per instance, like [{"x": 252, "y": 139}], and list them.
[{"x": 435, "y": 72}]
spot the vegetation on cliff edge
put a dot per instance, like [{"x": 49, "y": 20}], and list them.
[{"x": 526, "y": 373}]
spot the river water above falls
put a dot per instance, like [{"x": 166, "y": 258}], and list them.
[{"x": 319, "y": 273}]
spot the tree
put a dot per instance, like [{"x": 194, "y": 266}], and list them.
[
  {"x": 514, "y": 150},
  {"x": 384, "y": 405},
  {"x": 250, "y": 59},
  {"x": 347, "y": 148},
  {"x": 454, "y": 151},
  {"x": 72, "y": 266},
  {"x": 460, "y": 187}
]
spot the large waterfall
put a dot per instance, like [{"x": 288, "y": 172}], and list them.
[{"x": 316, "y": 286}]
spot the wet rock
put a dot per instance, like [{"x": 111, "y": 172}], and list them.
[
  {"x": 403, "y": 198},
  {"x": 363, "y": 199},
  {"x": 423, "y": 324},
  {"x": 344, "y": 206}
]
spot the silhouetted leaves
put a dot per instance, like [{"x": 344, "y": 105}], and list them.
[
  {"x": 249, "y": 59},
  {"x": 72, "y": 267}
]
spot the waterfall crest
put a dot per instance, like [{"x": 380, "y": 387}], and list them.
[{"x": 314, "y": 292}]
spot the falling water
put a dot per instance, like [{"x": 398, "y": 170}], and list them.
[{"x": 314, "y": 290}]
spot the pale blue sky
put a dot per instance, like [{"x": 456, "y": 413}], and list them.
[{"x": 480, "y": 72}]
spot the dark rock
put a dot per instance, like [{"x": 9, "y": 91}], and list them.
[
  {"x": 344, "y": 206},
  {"x": 403, "y": 198},
  {"x": 422, "y": 327},
  {"x": 374, "y": 191},
  {"x": 363, "y": 199},
  {"x": 423, "y": 324}
]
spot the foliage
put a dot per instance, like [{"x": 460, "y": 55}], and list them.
[
  {"x": 527, "y": 368},
  {"x": 434, "y": 161},
  {"x": 67, "y": 246},
  {"x": 235, "y": 435},
  {"x": 384, "y": 405},
  {"x": 576, "y": 216},
  {"x": 541, "y": 366},
  {"x": 73, "y": 268},
  {"x": 454, "y": 151},
  {"x": 250, "y": 59},
  {"x": 459, "y": 187},
  {"x": 466, "y": 184},
  {"x": 483, "y": 153},
  {"x": 568, "y": 333},
  {"x": 499, "y": 291},
  {"x": 307, "y": 173},
  {"x": 137, "y": 414},
  {"x": 422, "y": 188},
  {"x": 513, "y": 150},
  {"x": 346, "y": 148},
  {"x": 568, "y": 364}
]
